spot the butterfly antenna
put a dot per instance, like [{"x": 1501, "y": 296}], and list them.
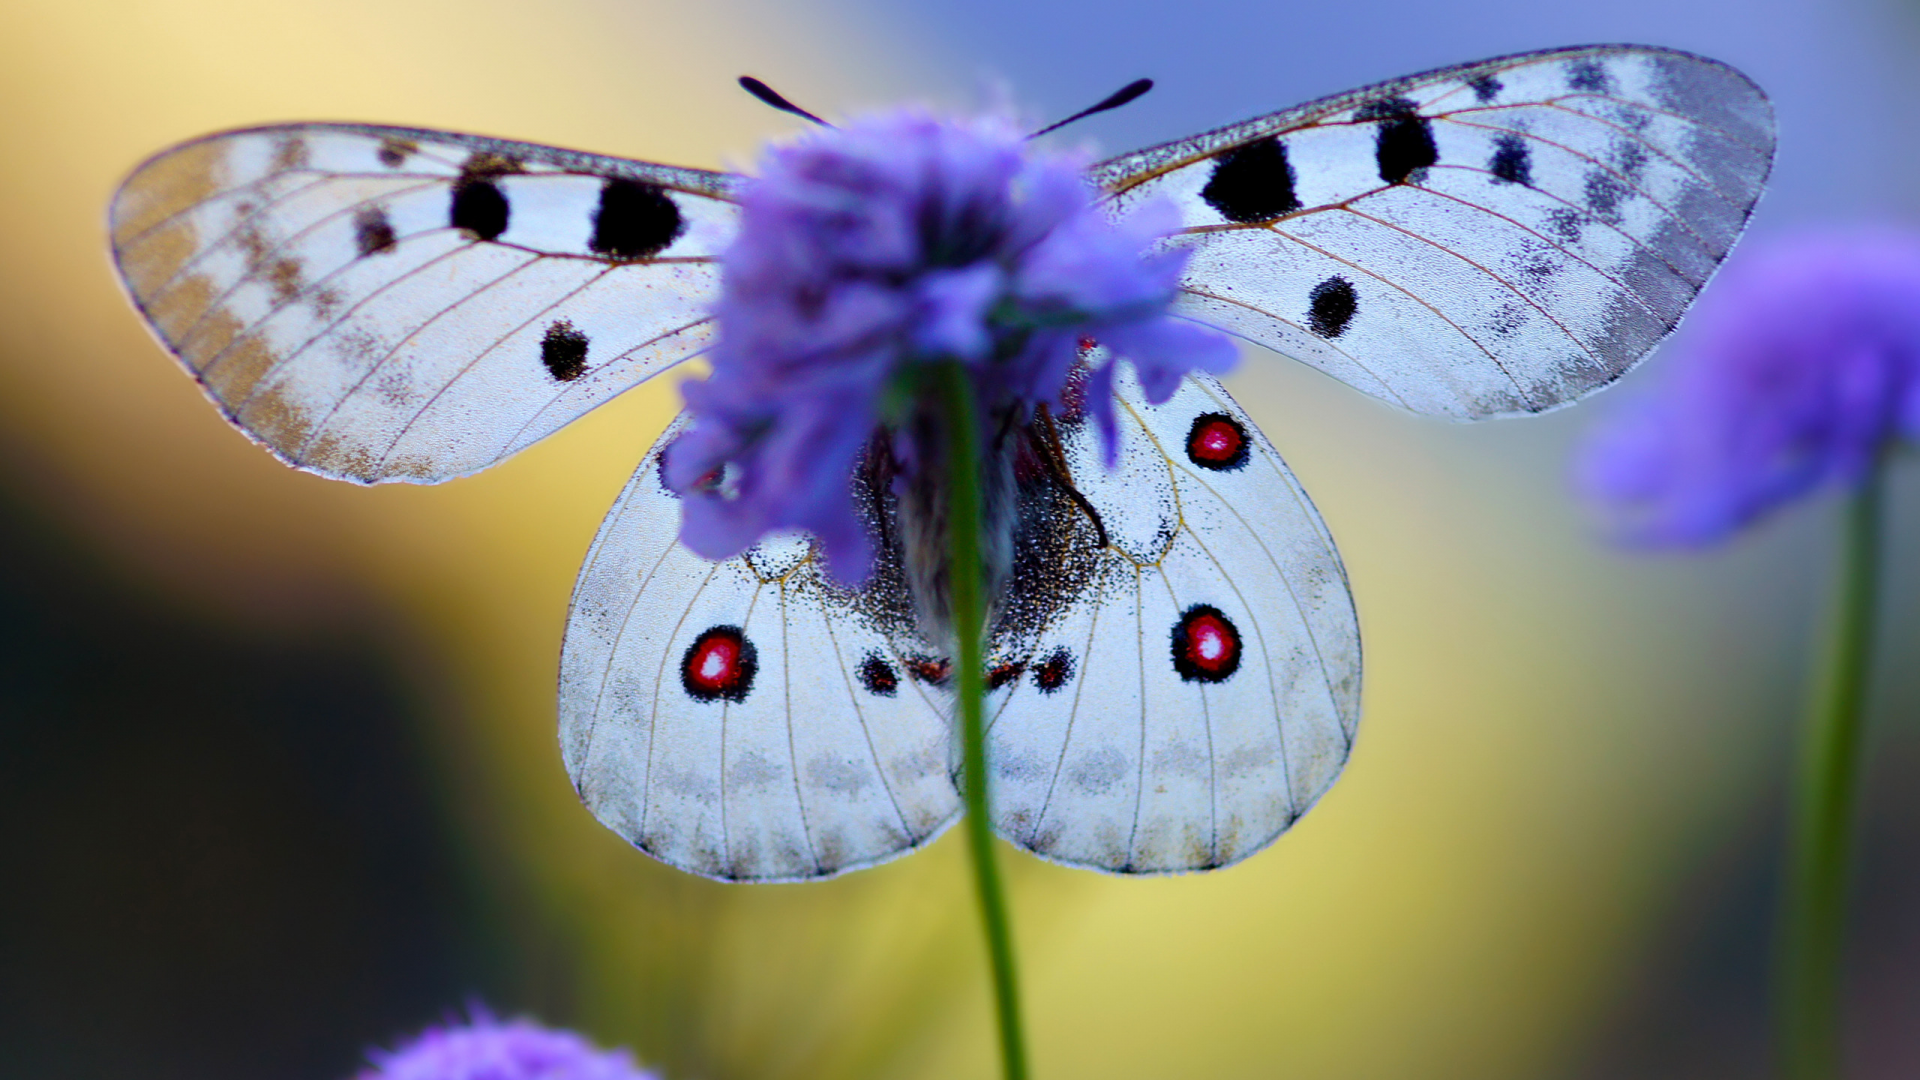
[
  {"x": 1112, "y": 101},
  {"x": 772, "y": 97}
]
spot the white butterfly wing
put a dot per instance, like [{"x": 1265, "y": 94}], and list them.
[
  {"x": 1199, "y": 689},
  {"x": 377, "y": 304},
  {"x": 1484, "y": 240},
  {"x": 747, "y": 720}
]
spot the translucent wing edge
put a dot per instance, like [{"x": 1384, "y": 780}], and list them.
[
  {"x": 714, "y": 185},
  {"x": 1119, "y": 173}
]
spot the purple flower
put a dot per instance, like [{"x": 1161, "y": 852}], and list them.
[
  {"x": 866, "y": 252},
  {"x": 488, "y": 1049},
  {"x": 1796, "y": 371}
]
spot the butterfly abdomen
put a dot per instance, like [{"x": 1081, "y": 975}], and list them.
[{"x": 922, "y": 513}]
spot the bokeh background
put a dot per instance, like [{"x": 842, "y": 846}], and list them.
[{"x": 278, "y": 778}]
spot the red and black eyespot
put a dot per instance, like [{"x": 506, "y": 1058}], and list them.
[
  {"x": 1218, "y": 442},
  {"x": 1054, "y": 672},
  {"x": 719, "y": 664},
  {"x": 926, "y": 669},
  {"x": 1001, "y": 674},
  {"x": 878, "y": 676},
  {"x": 1206, "y": 645}
]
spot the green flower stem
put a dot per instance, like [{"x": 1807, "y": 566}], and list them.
[
  {"x": 969, "y": 624},
  {"x": 1813, "y": 923}
]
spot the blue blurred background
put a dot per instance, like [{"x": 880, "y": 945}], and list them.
[{"x": 277, "y": 770}]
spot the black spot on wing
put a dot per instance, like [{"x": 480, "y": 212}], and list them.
[
  {"x": 1589, "y": 77},
  {"x": 1485, "y": 88},
  {"x": 1630, "y": 157},
  {"x": 878, "y": 676},
  {"x": 1512, "y": 163},
  {"x": 1054, "y": 672},
  {"x": 479, "y": 208},
  {"x": 290, "y": 152},
  {"x": 1565, "y": 224},
  {"x": 1330, "y": 307},
  {"x": 1001, "y": 674},
  {"x": 1254, "y": 182},
  {"x": 372, "y": 232},
  {"x": 487, "y": 165},
  {"x": 1404, "y": 144},
  {"x": 634, "y": 220},
  {"x": 564, "y": 351},
  {"x": 394, "y": 153},
  {"x": 1605, "y": 195}
]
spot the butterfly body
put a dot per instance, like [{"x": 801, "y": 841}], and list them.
[{"x": 1174, "y": 663}]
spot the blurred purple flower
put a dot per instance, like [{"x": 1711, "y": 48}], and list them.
[
  {"x": 900, "y": 239},
  {"x": 1800, "y": 365},
  {"x": 488, "y": 1049}
]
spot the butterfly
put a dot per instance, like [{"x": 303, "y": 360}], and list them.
[{"x": 1174, "y": 672}]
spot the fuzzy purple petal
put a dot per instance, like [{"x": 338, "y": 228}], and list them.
[
  {"x": 897, "y": 240},
  {"x": 489, "y": 1049},
  {"x": 1799, "y": 367},
  {"x": 1163, "y": 350}
]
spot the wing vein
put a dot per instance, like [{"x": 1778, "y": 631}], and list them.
[
  {"x": 866, "y": 732},
  {"x": 660, "y": 681},
  {"x": 1418, "y": 299},
  {"x": 793, "y": 750},
  {"x": 1073, "y": 714},
  {"x": 407, "y": 427},
  {"x": 1496, "y": 278},
  {"x": 1625, "y": 181}
]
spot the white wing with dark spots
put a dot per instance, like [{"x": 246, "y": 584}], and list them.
[
  {"x": 1484, "y": 240},
  {"x": 1199, "y": 689},
  {"x": 379, "y": 304},
  {"x": 748, "y": 720}
]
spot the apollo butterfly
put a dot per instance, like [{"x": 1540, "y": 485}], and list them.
[{"x": 1175, "y": 669}]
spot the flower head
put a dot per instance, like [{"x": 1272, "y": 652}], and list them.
[
  {"x": 488, "y": 1049},
  {"x": 869, "y": 250},
  {"x": 1798, "y": 368}
]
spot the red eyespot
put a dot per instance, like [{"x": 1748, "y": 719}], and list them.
[
  {"x": 878, "y": 676},
  {"x": 1206, "y": 645},
  {"x": 928, "y": 670},
  {"x": 1053, "y": 673},
  {"x": 1218, "y": 442},
  {"x": 719, "y": 664}
]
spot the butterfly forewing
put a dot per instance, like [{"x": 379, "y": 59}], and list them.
[
  {"x": 748, "y": 720},
  {"x": 1199, "y": 688},
  {"x": 390, "y": 304},
  {"x": 1496, "y": 238}
]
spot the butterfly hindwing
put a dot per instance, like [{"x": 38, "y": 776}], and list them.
[
  {"x": 1490, "y": 239},
  {"x": 1198, "y": 688},
  {"x": 378, "y": 303},
  {"x": 748, "y": 720}
]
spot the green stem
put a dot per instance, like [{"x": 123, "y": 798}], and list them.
[
  {"x": 1813, "y": 923},
  {"x": 969, "y": 623}
]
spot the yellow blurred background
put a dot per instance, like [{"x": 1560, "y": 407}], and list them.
[{"x": 1563, "y": 749}]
